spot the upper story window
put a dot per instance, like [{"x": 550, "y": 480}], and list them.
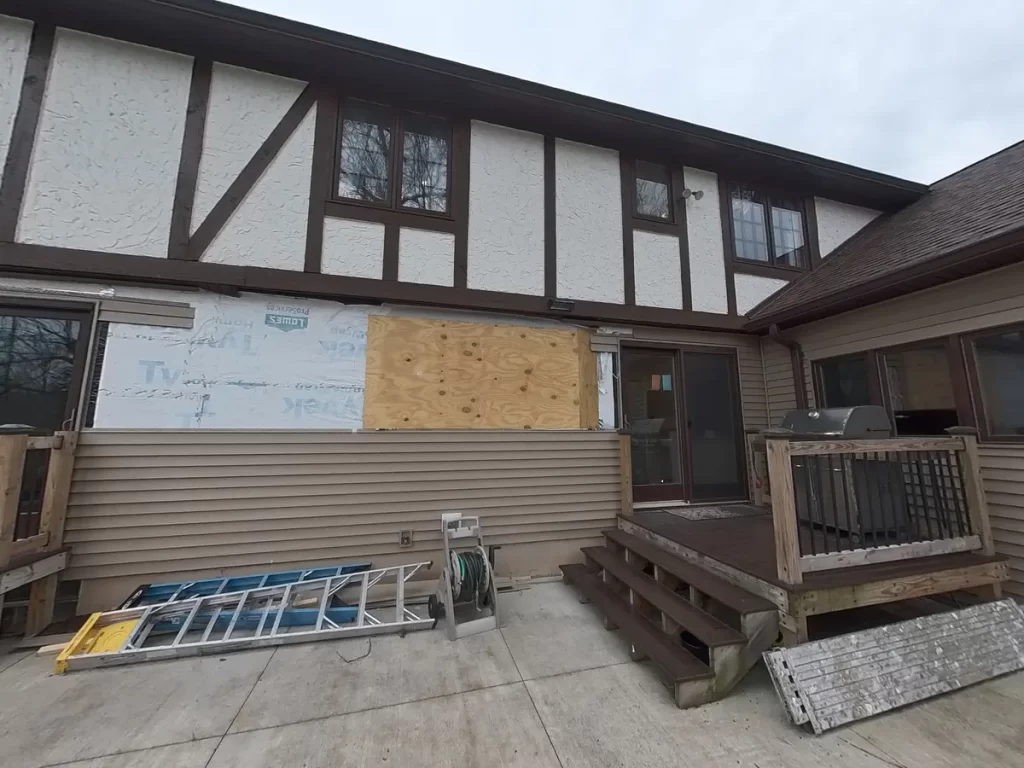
[
  {"x": 767, "y": 229},
  {"x": 394, "y": 160},
  {"x": 652, "y": 197}
]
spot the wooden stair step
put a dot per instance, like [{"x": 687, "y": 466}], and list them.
[
  {"x": 705, "y": 627},
  {"x": 678, "y": 663},
  {"x": 718, "y": 589}
]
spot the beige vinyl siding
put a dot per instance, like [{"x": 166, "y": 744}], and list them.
[
  {"x": 778, "y": 380},
  {"x": 1002, "y": 472},
  {"x": 983, "y": 301},
  {"x": 162, "y": 505}
]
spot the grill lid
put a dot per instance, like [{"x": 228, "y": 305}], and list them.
[{"x": 859, "y": 421}]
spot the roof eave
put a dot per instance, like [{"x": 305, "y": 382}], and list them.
[
  {"x": 249, "y": 38},
  {"x": 999, "y": 251}
]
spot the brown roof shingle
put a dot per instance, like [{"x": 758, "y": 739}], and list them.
[{"x": 974, "y": 205}]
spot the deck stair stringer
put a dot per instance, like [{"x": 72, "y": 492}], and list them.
[{"x": 704, "y": 633}]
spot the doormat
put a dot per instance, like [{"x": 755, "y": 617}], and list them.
[{"x": 715, "y": 513}]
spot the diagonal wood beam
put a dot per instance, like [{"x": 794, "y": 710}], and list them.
[
  {"x": 23, "y": 133},
  {"x": 247, "y": 179}
]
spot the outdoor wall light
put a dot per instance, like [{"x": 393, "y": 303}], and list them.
[
  {"x": 561, "y": 305},
  {"x": 696, "y": 194}
]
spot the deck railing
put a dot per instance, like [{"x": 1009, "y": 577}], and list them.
[
  {"x": 841, "y": 503},
  {"x": 35, "y": 480}
]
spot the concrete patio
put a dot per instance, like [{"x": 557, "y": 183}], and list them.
[{"x": 550, "y": 689}]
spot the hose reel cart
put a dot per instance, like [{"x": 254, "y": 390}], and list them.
[{"x": 466, "y": 595}]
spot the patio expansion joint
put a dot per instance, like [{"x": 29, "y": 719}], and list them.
[{"x": 533, "y": 703}]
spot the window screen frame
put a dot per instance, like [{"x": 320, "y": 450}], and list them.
[
  {"x": 970, "y": 357},
  {"x": 764, "y": 196},
  {"x": 396, "y": 160}
]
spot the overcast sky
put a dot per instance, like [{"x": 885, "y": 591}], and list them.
[{"x": 915, "y": 88}]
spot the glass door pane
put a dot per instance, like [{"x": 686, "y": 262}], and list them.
[
  {"x": 649, "y": 405},
  {"x": 40, "y": 367},
  {"x": 714, "y": 427}
]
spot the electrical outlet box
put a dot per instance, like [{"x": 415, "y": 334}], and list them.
[{"x": 405, "y": 539}]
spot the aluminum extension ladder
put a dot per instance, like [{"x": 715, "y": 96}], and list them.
[{"x": 253, "y": 618}]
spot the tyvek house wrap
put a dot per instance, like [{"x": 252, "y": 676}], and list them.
[{"x": 247, "y": 362}]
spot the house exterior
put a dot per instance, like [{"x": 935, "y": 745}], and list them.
[
  {"x": 302, "y": 293},
  {"x": 923, "y": 314}
]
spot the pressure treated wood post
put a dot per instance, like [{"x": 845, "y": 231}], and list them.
[
  {"x": 974, "y": 488},
  {"x": 787, "y": 533},
  {"x": 12, "y": 467},
  {"x": 759, "y": 492},
  {"x": 43, "y": 595},
  {"x": 626, "y": 473}
]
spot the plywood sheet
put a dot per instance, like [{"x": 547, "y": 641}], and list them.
[{"x": 443, "y": 374}]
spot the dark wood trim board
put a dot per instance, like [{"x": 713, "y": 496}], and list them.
[
  {"x": 550, "y": 220},
  {"x": 90, "y": 265},
  {"x": 191, "y": 154},
  {"x": 26, "y": 125},
  {"x": 324, "y": 141}
]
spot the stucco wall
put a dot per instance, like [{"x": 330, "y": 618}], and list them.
[
  {"x": 106, "y": 156},
  {"x": 704, "y": 232},
  {"x": 657, "y": 270},
  {"x": 588, "y": 202},
  {"x": 751, "y": 290},
  {"x": 15, "y": 38},
  {"x": 506, "y": 210},
  {"x": 269, "y": 228},
  {"x": 837, "y": 222},
  {"x": 426, "y": 257},
  {"x": 353, "y": 248},
  {"x": 243, "y": 108}
]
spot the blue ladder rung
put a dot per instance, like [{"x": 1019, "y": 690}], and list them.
[{"x": 153, "y": 594}]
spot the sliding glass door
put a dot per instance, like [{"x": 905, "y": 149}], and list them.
[{"x": 682, "y": 409}]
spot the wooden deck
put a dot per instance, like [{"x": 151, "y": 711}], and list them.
[{"x": 737, "y": 543}]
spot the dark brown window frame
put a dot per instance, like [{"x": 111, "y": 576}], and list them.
[
  {"x": 633, "y": 222},
  {"x": 641, "y": 221},
  {"x": 966, "y": 407},
  {"x": 398, "y": 118},
  {"x": 58, "y": 310},
  {"x": 969, "y": 355},
  {"x": 769, "y": 268}
]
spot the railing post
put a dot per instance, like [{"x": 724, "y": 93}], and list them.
[
  {"x": 626, "y": 472},
  {"x": 43, "y": 594},
  {"x": 974, "y": 488},
  {"x": 761, "y": 492},
  {"x": 784, "y": 519},
  {"x": 12, "y": 467}
]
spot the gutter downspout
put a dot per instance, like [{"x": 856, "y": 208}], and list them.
[{"x": 796, "y": 353}]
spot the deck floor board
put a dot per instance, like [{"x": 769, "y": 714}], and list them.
[{"x": 748, "y": 543}]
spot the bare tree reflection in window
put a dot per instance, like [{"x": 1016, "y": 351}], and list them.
[
  {"x": 653, "y": 187},
  {"x": 365, "y": 153},
  {"x": 425, "y": 164},
  {"x": 37, "y": 358}
]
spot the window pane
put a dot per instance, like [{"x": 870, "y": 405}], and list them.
[
  {"x": 425, "y": 164},
  {"x": 920, "y": 390},
  {"x": 844, "y": 383},
  {"x": 749, "y": 225},
  {"x": 37, "y": 356},
  {"x": 1001, "y": 370},
  {"x": 788, "y": 233},
  {"x": 365, "y": 152},
  {"x": 652, "y": 191}
]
